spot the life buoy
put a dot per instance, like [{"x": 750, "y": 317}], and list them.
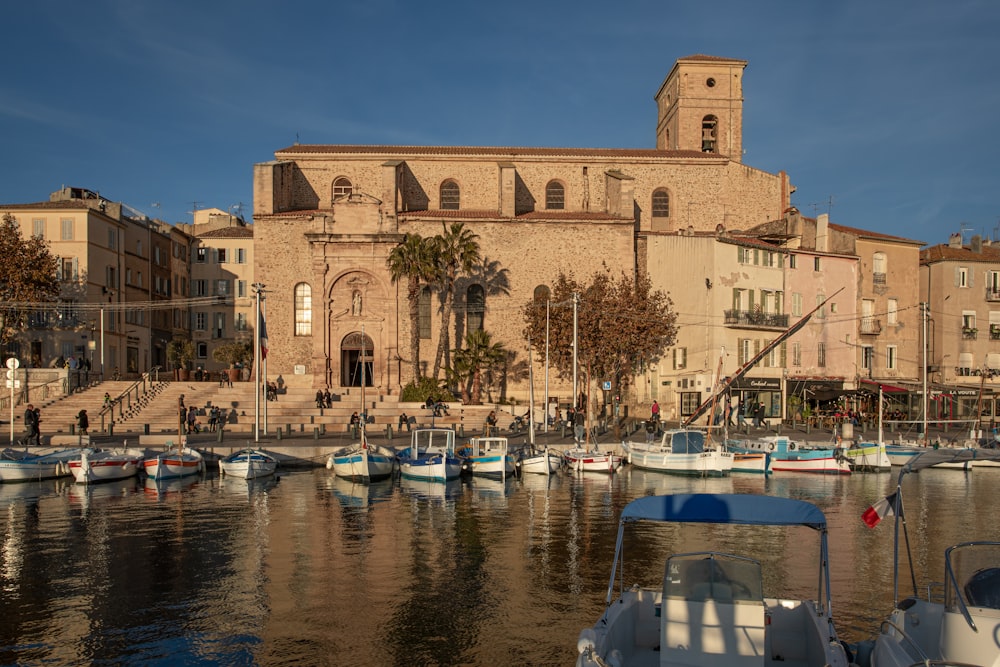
[
  {"x": 791, "y": 446},
  {"x": 770, "y": 446}
]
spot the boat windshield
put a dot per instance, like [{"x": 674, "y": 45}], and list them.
[
  {"x": 971, "y": 575},
  {"x": 687, "y": 442},
  {"x": 710, "y": 575}
]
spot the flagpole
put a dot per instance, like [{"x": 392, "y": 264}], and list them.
[
  {"x": 257, "y": 288},
  {"x": 263, "y": 316},
  {"x": 545, "y": 407}
]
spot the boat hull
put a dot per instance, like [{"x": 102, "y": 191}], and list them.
[
  {"x": 92, "y": 468},
  {"x": 173, "y": 464},
  {"x": 821, "y": 465},
  {"x": 582, "y": 461},
  {"x": 248, "y": 464},
  {"x": 868, "y": 457},
  {"x": 493, "y": 466},
  {"x": 712, "y": 463},
  {"x": 432, "y": 468},
  {"x": 545, "y": 463},
  {"x": 28, "y": 468},
  {"x": 758, "y": 463}
]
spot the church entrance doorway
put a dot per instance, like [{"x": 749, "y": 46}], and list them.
[{"x": 357, "y": 359}]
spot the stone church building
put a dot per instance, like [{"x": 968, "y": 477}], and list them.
[{"x": 326, "y": 218}]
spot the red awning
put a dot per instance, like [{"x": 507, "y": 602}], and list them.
[{"x": 887, "y": 388}]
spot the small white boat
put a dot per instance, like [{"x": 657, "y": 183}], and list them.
[
  {"x": 709, "y": 608},
  {"x": 868, "y": 457},
  {"x": 958, "y": 626},
  {"x": 591, "y": 460},
  {"x": 431, "y": 456},
  {"x": 790, "y": 456},
  {"x": 105, "y": 465},
  {"x": 363, "y": 461},
  {"x": 540, "y": 462},
  {"x": 681, "y": 452},
  {"x": 174, "y": 463},
  {"x": 489, "y": 457},
  {"x": 248, "y": 464},
  {"x": 20, "y": 466}
]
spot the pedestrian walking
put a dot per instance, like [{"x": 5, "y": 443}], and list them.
[{"x": 82, "y": 422}]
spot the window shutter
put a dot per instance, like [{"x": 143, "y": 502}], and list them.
[
  {"x": 958, "y": 277},
  {"x": 972, "y": 273},
  {"x": 76, "y": 268}
]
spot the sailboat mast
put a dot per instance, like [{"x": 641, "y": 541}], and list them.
[
  {"x": 545, "y": 421},
  {"x": 364, "y": 415},
  {"x": 576, "y": 301},
  {"x": 923, "y": 310},
  {"x": 531, "y": 398}
]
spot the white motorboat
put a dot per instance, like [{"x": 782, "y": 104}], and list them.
[
  {"x": 489, "y": 457},
  {"x": 363, "y": 461},
  {"x": 681, "y": 452},
  {"x": 540, "y": 462},
  {"x": 868, "y": 457},
  {"x": 709, "y": 608},
  {"x": 790, "y": 456},
  {"x": 248, "y": 464},
  {"x": 179, "y": 462},
  {"x": 105, "y": 465},
  {"x": 21, "y": 466},
  {"x": 431, "y": 456},
  {"x": 581, "y": 459},
  {"x": 959, "y": 628}
]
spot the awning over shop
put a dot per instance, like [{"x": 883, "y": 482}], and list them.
[
  {"x": 820, "y": 390},
  {"x": 886, "y": 387},
  {"x": 759, "y": 384}
]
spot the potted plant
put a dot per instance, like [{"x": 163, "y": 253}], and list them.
[
  {"x": 180, "y": 353},
  {"x": 234, "y": 355}
]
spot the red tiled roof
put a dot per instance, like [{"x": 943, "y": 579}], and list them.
[
  {"x": 507, "y": 153},
  {"x": 864, "y": 233},
  {"x": 68, "y": 203},
  {"x": 228, "y": 233},
  {"x": 944, "y": 253}
]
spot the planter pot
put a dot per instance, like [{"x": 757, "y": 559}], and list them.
[
  {"x": 183, "y": 374},
  {"x": 234, "y": 374}
]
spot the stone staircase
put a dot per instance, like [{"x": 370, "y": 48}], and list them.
[{"x": 59, "y": 414}]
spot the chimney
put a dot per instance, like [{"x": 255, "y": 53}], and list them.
[
  {"x": 977, "y": 243},
  {"x": 822, "y": 232},
  {"x": 955, "y": 241}
]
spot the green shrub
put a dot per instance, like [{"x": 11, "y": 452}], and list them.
[{"x": 424, "y": 389}]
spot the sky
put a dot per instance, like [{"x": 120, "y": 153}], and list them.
[{"x": 883, "y": 112}]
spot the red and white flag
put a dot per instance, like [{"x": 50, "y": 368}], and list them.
[{"x": 880, "y": 510}]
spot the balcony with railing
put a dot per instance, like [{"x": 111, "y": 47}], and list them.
[
  {"x": 970, "y": 333},
  {"x": 870, "y": 326},
  {"x": 755, "y": 319},
  {"x": 992, "y": 293}
]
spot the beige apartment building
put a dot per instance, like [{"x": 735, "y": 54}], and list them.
[
  {"x": 961, "y": 285},
  {"x": 327, "y": 216}
]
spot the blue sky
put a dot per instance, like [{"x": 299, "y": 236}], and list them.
[{"x": 886, "y": 108}]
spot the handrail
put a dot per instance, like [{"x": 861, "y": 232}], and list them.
[
  {"x": 126, "y": 396},
  {"x": 24, "y": 396}
]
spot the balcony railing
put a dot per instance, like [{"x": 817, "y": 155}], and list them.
[
  {"x": 754, "y": 318},
  {"x": 969, "y": 333},
  {"x": 878, "y": 278},
  {"x": 871, "y": 326},
  {"x": 993, "y": 293}
]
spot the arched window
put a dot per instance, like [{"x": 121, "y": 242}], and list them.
[
  {"x": 709, "y": 134},
  {"x": 541, "y": 294},
  {"x": 424, "y": 307},
  {"x": 661, "y": 203},
  {"x": 555, "y": 196},
  {"x": 342, "y": 186},
  {"x": 475, "y": 307},
  {"x": 880, "y": 264},
  {"x": 449, "y": 196},
  {"x": 303, "y": 309}
]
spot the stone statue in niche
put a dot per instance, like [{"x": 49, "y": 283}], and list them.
[{"x": 356, "y": 305}]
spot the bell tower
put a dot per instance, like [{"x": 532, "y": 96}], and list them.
[{"x": 700, "y": 107}]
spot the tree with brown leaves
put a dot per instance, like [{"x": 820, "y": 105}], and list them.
[{"x": 27, "y": 278}]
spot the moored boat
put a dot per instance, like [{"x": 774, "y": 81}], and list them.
[
  {"x": 868, "y": 457},
  {"x": 180, "y": 462},
  {"x": 20, "y": 466},
  {"x": 489, "y": 457},
  {"x": 105, "y": 465},
  {"x": 752, "y": 462},
  {"x": 363, "y": 461},
  {"x": 581, "y": 459},
  {"x": 681, "y": 452},
  {"x": 431, "y": 456},
  {"x": 790, "y": 456},
  {"x": 709, "y": 608},
  {"x": 248, "y": 464},
  {"x": 540, "y": 462}
]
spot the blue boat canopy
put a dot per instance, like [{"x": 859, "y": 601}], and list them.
[{"x": 733, "y": 508}]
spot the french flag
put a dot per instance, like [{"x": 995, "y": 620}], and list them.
[
  {"x": 263, "y": 336},
  {"x": 880, "y": 510}
]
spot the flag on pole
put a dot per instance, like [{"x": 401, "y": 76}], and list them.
[
  {"x": 263, "y": 336},
  {"x": 880, "y": 510}
]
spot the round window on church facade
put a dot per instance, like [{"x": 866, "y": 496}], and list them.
[{"x": 710, "y": 82}]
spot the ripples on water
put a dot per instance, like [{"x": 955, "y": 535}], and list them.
[{"x": 315, "y": 570}]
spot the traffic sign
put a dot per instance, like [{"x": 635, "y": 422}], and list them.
[{"x": 13, "y": 363}]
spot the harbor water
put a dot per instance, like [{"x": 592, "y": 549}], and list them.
[{"x": 312, "y": 570}]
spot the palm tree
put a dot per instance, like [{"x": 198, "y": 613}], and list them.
[
  {"x": 413, "y": 261},
  {"x": 457, "y": 249},
  {"x": 480, "y": 355}
]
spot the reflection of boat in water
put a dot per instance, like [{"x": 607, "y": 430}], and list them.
[
  {"x": 84, "y": 494},
  {"x": 359, "y": 494},
  {"x": 431, "y": 490},
  {"x": 246, "y": 487},
  {"x": 154, "y": 486},
  {"x": 31, "y": 490},
  {"x": 491, "y": 489}
]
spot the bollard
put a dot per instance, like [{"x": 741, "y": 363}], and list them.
[
  {"x": 302, "y": 428},
  {"x": 322, "y": 429},
  {"x": 315, "y": 433},
  {"x": 562, "y": 430},
  {"x": 218, "y": 435},
  {"x": 278, "y": 433},
  {"x": 388, "y": 431},
  {"x": 312, "y": 418},
  {"x": 145, "y": 429},
  {"x": 288, "y": 429},
  {"x": 808, "y": 426},
  {"x": 72, "y": 429},
  {"x": 111, "y": 429},
  {"x": 461, "y": 430}
]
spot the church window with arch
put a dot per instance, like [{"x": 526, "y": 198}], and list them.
[
  {"x": 661, "y": 203},
  {"x": 450, "y": 196},
  {"x": 555, "y": 196},
  {"x": 303, "y": 309},
  {"x": 342, "y": 186}
]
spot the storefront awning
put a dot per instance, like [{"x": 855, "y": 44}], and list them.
[{"x": 886, "y": 387}]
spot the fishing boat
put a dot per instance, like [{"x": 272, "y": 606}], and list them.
[
  {"x": 790, "y": 456},
  {"x": 20, "y": 466},
  {"x": 540, "y": 461},
  {"x": 758, "y": 463},
  {"x": 489, "y": 457},
  {"x": 959, "y": 627},
  {"x": 431, "y": 456},
  {"x": 179, "y": 462},
  {"x": 248, "y": 464},
  {"x": 105, "y": 465},
  {"x": 582, "y": 459},
  {"x": 709, "y": 608},
  {"x": 868, "y": 457},
  {"x": 681, "y": 452},
  {"x": 363, "y": 461}
]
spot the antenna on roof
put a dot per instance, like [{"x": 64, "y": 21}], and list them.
[
  {"x": 962, "y": 229},
  {"x": 829, "y": 206}
]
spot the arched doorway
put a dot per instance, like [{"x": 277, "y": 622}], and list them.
[{"x": 354, "y": 364}]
